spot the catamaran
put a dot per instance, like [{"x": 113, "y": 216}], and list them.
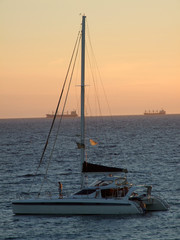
[{"x": 109, "y": 195}]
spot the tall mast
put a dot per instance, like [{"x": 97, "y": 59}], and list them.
[{"x": 82, "y": 97}]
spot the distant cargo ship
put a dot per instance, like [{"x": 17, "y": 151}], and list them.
[
  {"x": 161, "y": 112},
  {"x": 66, "y": 115}
]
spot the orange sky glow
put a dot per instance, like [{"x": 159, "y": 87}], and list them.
[{"x": 136, "y": 44}]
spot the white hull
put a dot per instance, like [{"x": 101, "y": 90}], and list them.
[
  {"x": 155, "y": 204},
  {"x": 75, "y": 207}
]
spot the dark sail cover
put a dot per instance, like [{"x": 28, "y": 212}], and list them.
[{"x": 90, "y": 168}]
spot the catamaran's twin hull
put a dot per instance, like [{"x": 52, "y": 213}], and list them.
[
  {"x": 155, "y": 204},
  {"x": 75, "y": 207}
]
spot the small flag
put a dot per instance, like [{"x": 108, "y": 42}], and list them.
[{"x": 92, "y": 142}]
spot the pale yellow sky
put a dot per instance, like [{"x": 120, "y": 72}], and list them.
[{"x": 136, "y": 43}]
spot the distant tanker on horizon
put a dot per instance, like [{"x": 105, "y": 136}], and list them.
[
  {"x": 161, "y": 112},
  {"x": 67, "y": 115}
]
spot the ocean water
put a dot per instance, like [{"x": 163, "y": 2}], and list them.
[{"x": 148, "y": 146}]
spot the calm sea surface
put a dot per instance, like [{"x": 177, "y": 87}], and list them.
[{"x": 148, "y": 146}]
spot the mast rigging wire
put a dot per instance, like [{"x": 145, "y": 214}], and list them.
[
  {"x": 65, "y": 101},
  {"x": 59, "y": 102},
  {"x": 60, "y": 97}
]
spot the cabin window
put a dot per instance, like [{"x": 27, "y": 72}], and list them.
[
  {"x": 85, "y": 192},
  {"x": 114, "y": 192},
  {"x": 106, "y": 193}
]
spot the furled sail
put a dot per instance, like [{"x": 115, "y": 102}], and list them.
[{"x": 91, "y": 167}]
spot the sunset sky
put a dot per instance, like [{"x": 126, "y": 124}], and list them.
[{"x": 136, "y": 44}]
